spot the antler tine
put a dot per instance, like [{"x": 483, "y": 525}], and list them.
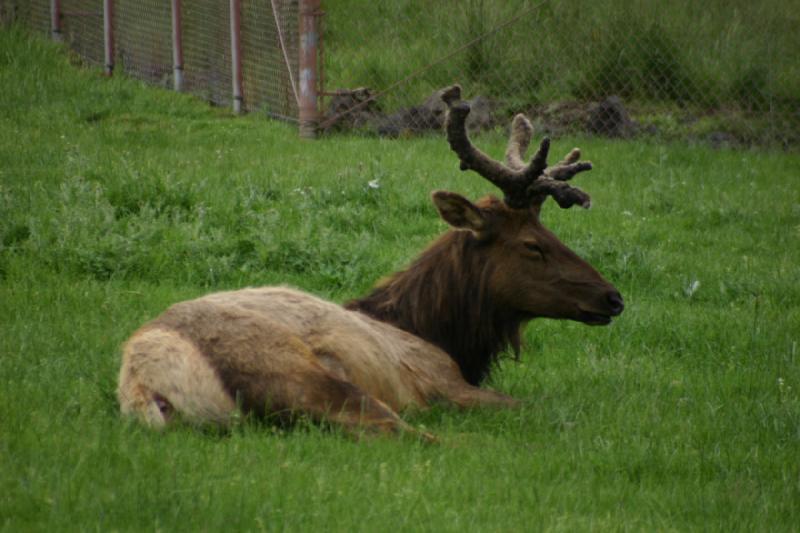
[
  {"x": 565, "y": 195},
  {"x": 569, "y": 166},
  {"x": 520, "y": 138},
  {"x": 505, "y": 178},
  {"x": 553, "y": 183},
  {"x": 518, "y": 141}
]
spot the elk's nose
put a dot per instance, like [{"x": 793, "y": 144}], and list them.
[{"x": 616, "y": 302}]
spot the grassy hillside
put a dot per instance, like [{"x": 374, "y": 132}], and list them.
[
  {"x": 682, "y": 72},
  {"x": 117, "y": 200},
  {"x": 733, "y": 51}
]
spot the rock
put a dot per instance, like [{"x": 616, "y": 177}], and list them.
[
  {"x": 722, "y": 139},
  {"x": 409, "y": 120},
  {"x": 609, "y": 118},
  {"x": 365, "y": 112},
  {"x": 352, "y": 109},
  {"x": 481, "y": 116},
  {"x": 558, "y": 118}
]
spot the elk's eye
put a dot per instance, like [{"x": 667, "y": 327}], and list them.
[{"x": 534, "y": 249}]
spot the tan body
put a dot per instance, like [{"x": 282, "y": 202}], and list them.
[{"x": 274, "y": 349}]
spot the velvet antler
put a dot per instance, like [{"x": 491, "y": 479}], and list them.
[{"x": 523, "y": 185}]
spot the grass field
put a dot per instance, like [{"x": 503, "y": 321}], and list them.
[
  {"x": 117, "y": 200},
  {"x": 730, "y": 68},
  {"x": 734, "y": 53}
]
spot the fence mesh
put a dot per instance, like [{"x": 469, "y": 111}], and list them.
[
  {"x": 143, "y": 44},
  {"x": 206, "y": 49},
  {"x": 35, "y": 13},
  {"x": 142, "y": 40},
  {"x": 82, "y": 28},
  {"x": 269, "y": 74},
  {"x": 727, "y": 72}
]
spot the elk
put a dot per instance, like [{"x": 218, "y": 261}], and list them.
[{"x": 431, "y": 332}]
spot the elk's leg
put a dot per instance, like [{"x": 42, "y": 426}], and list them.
[
  {"x": 275, "y": 372},
  {"x": 466, "y": 396},
  {"x": 443, "y": 382},
  {"x": 325, "y": 397}
]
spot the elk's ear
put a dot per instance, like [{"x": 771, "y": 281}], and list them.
[{"x": 459, "y": 212}]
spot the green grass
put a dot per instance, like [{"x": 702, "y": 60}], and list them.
[
  {"x": 735, "y": 51},
  {"x": 117, "y": 200},
  {"x": 730, "y": 67}
]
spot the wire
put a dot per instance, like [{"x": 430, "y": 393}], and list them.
[
  {"x": 331, "y": 120},
  {"x": 283, "y": 50}
]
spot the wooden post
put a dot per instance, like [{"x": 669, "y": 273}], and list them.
[
  {"x": 309, "y": 42},
  {"x": 55, "y": 20},
  {"x": 108, "y": 34},
  {"x": 236, "y": 55},
  {"x": 177, "y": 46}
]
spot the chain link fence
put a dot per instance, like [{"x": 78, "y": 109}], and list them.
[
  {"x": 724, "y": 72},
  {"x": 143, "y": 44},
  {"x": 727, "y": 73},
  {"x": 269, "y": 73}
]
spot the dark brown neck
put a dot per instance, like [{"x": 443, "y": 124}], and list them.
[{"x": 443, "y": 297}]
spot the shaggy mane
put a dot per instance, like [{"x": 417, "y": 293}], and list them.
[{"x": 443, "y": 297}]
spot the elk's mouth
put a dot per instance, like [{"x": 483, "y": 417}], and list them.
[{"x": 594, "y": 319}]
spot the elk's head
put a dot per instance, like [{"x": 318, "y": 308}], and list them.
[{"x": 533, "y": 273}]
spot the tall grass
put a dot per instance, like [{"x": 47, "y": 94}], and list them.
[
  {"x": 725, "y": 56},
  {"x": 580, "y": 42},
  {"x": 117, "y": 200}
]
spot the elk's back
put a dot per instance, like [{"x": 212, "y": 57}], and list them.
[{"x": 249, "y": 334}]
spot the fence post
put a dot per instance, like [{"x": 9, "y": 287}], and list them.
[
  {"x": 108, "y": 34},
  {"x": 55, "y": 20},
  {"x": 177, "y": 46},
  {"x": 236, "y": 55},
  {"x": 309, "y": 41}
]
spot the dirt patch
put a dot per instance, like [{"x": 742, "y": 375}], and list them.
[{"x": 357, "y": 109}]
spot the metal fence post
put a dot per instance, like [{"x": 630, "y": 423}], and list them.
[
  {"x": 108, "y": 34},
  {"x": 236, "y": 55},
  {"x": 55, "y": 20},
  {"x": 177, "y": 46},
  {"x": 309, "y": 41}
]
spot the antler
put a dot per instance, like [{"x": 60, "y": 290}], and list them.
[{"x": 523, "y": 185}]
